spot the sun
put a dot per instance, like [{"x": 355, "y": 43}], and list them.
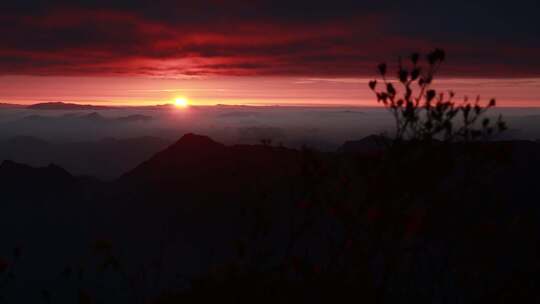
[{"x": 181, "y": 102}]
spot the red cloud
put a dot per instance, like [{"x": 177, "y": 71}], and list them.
[{"x": 100, "y": 41}]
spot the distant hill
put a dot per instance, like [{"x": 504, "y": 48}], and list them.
[
  {"x": 11, "y": 106},
  {"x": 93, "y": 117},
  {"x": 66, "y": 106}
]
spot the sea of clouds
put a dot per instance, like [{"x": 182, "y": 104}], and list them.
[{"x": 323, "y": 128}]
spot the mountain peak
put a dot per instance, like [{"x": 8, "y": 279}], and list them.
[
  {"x": 199, "y": 163},
  {"x": 195, "y": 140}
]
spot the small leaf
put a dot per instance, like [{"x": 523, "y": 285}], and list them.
[
  {"x": 382, "y": 69},
  {"x": 438, "y": 55},
  {"x": 382, "y": 97},
  {"x": 414, "y": 58},
  {"x": 403, "y": 75},
  {"x": 390, "y": 89},
  {"x": 373, "y": 84},
  {"x": 430, "y": 95}
]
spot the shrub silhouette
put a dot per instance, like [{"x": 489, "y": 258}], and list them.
[{"x": 422, "y": 113}]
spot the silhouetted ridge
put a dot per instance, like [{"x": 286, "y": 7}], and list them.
[
  {"x": 65, "y": 106},
  {"x": 10, "y": 106},
  {"x": 368, "y": 145},
  {"x": 197, "y": 162},
  {"x": 191, "y": 155},
  {"x": 106, "y": 159},
  {"x": 191, "y": 140},
  {"x": 15, "y": 176},
  {"x": 11, "y": 167}
]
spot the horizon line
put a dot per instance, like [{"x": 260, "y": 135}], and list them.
[{"x": 107, "y": 105}]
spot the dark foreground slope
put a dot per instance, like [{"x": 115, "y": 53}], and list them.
[{"x": 201, "y": 221}]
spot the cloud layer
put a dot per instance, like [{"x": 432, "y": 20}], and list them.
[{"x": 305, "y": 38}]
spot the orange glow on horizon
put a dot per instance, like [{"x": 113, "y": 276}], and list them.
[
  {"x": 181, "y": 102},
  {"x": 256, "y": 91}
]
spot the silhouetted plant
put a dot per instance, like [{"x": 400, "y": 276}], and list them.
[{"x": 422, "y": 113}]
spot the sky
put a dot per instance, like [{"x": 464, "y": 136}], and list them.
[{"x": 259, "y": 51}]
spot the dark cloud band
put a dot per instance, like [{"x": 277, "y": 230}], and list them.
[{"x": 167, "y": 38}]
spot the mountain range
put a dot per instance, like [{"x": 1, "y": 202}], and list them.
[
  {"x": 66, "y": 106},
  {"x": 191, "y": 203}
]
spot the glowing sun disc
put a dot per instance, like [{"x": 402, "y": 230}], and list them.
[{"x": 181, "y": 102}]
